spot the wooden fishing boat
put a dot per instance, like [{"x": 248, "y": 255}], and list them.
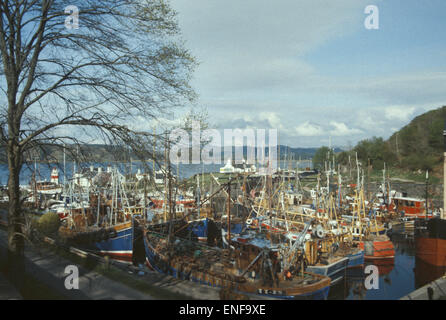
[
  {"x": 365, "y": 232},
  {"x": 377, "y": 247},
  {"x": 411, "y": 208},
  {"x": 246, "y": 269}
]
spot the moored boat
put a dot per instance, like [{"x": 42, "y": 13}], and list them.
[
  {"x": 115, "y": 241},
  {"x": 377, "y": 247},
  {"x": 247, "y": 269},
  {"x": 334, "y": 268},
  {"x": 356, "y": 259}
]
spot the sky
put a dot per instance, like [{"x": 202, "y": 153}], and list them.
[{"x": 312, "y": 70}]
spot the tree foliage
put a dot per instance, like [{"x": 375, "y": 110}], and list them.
[
  {"x": 320, "y": 157},
  {"x": 375, "y": 151}
]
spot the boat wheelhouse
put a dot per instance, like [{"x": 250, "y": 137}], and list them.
[{"x": 411, "y": 208}]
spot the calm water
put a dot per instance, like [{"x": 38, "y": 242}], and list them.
[{"x": 396, "y": 278}]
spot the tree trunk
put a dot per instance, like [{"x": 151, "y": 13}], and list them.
[{"x": 16, "y": 243}]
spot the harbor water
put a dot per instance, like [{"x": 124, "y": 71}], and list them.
[
  {"x": 397, "y": 277},
  {"x": 185, "y": 171}
]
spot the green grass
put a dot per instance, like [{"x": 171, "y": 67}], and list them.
[
  {"x": 206, "y": 179},
  {"x": 376, "y": 175}
]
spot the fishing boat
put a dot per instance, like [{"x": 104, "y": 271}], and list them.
[
  {"x": 411, "y": 208},
  {"x": 247, "y": 269},
  {"x": 252, "y": 267},
  {"x": 103, "y": 225},
  {"x": 115, "y": 241},
  {"x": 377, "y": 247},
  {"x": 328, "y": 255},
  {"x": 51, "y": 187},
  {"x": 365, "y": 232}
]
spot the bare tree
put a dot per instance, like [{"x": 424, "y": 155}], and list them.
[{"x": 84, "y": 71}]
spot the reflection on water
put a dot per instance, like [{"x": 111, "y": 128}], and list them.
[
  {"x": 397, "y": 277},
  {"x": 425, "y": 273}
]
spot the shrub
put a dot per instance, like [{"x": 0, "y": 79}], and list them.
[{"x": 48, "y": 224}]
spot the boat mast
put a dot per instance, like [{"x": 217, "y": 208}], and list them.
[
  {"x": 357, "y": 172},
  {"x": 384, "y": 190},
  {"x": 169, "y": 175},
  {"x": 229, "y": 212},
  {"x": 198, "y": 192},
  {"x": 145, "y": 199},
  {"x": 112, "y": 199},
  {"x": 99, "y": 206},
  {"x": 165, "y": 184},
  {"x": 64, "y": 170}
]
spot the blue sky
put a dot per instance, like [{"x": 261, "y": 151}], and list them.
[{"x": 312, "y": 70}]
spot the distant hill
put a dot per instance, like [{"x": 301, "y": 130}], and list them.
[
  {"x": 287, "y": 152},
  {"x": 416, "y": 146},
  {"x": 106, "y": 153},
  {"x": 87, "y": 152},
  {"x": 420, "y": 143}
]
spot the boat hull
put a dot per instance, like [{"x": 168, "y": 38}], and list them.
[
  {"x": 432, "y": 251},
  {"x": 431, "y": 244},
  {"x": 118, "y": 247},
  {"x": 335, "y": 270},
  {"x": 377, "y": 249},
  {"x": 356, "y": 260}
]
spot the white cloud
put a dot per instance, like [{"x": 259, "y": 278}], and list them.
[
  {"x": 400, "y": 113},
  {"x": 259, "y": 44},
  {"x": 308, "y": 129},
  {"x": 272, "y": 118},
  {"x": 341, "y": 129}
]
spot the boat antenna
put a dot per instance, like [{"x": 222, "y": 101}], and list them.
[
  {"x": 169, "y": 175},
  {"x": 229, "y": 212}
]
